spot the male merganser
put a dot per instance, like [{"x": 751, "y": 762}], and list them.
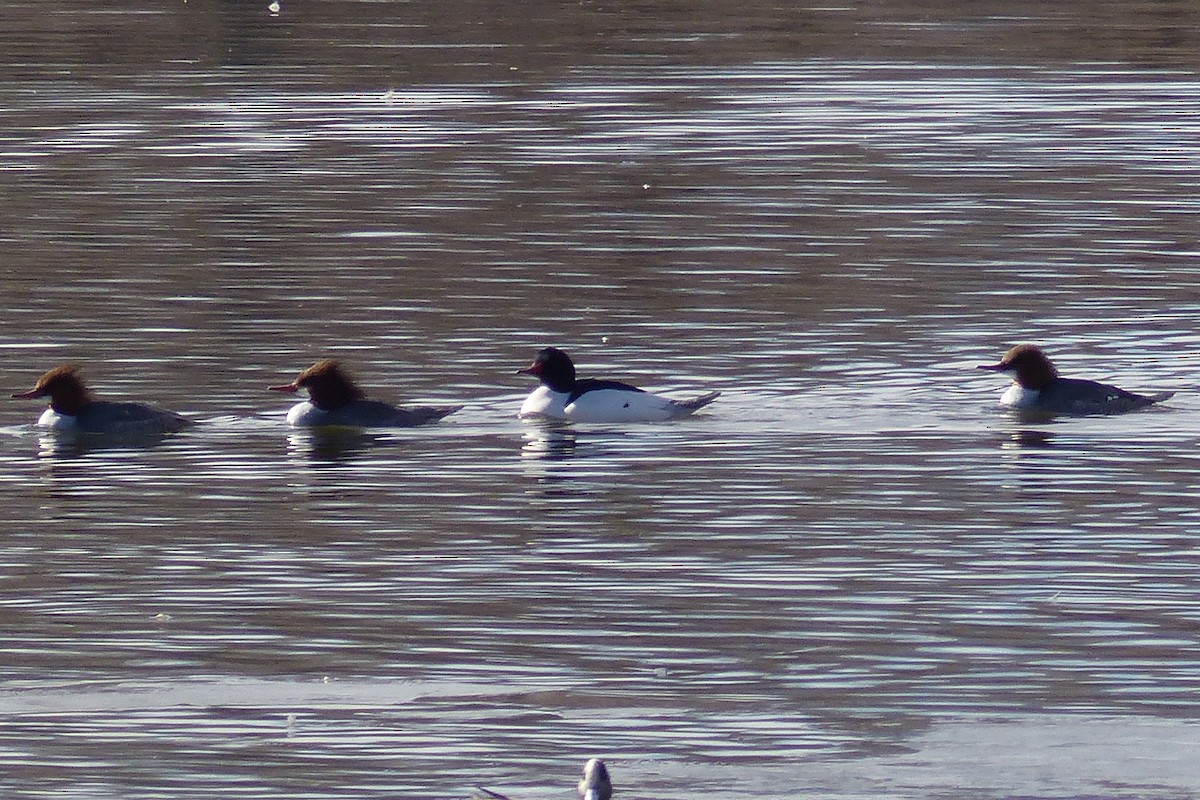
[
  {"x": 562, "y": 396},
  {"x": 594, "y": 786},
  {"x": 73, "y": 410},
  {"x": 1036, "y": 387},
  {"x": 334, "y": 399}
]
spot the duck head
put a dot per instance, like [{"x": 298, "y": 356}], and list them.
[
  {"x": 66, "y": 390},
  {"x": 328, "y": 385},
  {"x": 1030, "y": 367},
  {"x": 552, "y": 367}
]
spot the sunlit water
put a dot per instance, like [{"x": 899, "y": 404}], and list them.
[{"x": 852, "y": 576}]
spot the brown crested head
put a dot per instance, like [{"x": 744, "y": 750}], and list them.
[
  {"x": 66, "y": 390},
  {"x": 1031, "y": 367},
  {"x": 328, "y": 385}
]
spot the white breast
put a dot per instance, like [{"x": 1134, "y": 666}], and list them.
[
  {"x": 56, "y": 421},
  {"x": 1017, "y": 396},
  {"x": 304, "y": 415},
  {"x": 544, "y": 403}
]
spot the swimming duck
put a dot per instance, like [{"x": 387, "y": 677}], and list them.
[
  {"x": 334, "y": 399},
  {"x": 595, "y": 784},
  {"x": 562, "y": 396},
  {"x": 1038, "y": 388},
  {"x": 72, "y": 409}
]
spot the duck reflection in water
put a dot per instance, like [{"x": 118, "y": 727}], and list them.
[
  {"x": 545, "y": 458},
  {"x": 595, "y": 784},
  {"x": 1028, "y": 438},
  {"x": 549, "y": 442},
  {"x": 333, "y": 444},
  {"x": 68, "y": 445},
  {"x": 1032, "y": 439}
]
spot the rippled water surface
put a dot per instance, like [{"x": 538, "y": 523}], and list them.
[{"x": 850, "y": 577}]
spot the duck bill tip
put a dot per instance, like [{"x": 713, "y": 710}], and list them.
[{"x": 290, "y": 388}]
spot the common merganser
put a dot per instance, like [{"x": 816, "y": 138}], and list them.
[
  {"x": 334, "y": 399},
  {"x": 73, "y": 410},
  {"x": 594, "y": 786},
  {"x": 1036, "y": 387},
  {"x": 563, "y": 396}
]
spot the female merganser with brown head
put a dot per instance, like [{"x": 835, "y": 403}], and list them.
[
  {"x": 1038, "y": 388},
  {"x": 334, "y": 399},
  {"x": 72, "y": 409},
  {"x": 562, "y": 396}
]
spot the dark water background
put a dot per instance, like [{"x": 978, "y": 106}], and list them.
[{"x": 852, "y": 577}]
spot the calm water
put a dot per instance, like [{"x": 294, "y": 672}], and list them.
[{"x": 851, "y": 577}]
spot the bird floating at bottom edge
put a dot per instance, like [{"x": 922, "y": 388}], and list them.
[{"x": 595, "y": 784}]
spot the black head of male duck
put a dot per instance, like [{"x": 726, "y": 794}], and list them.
[{"x": 553, "y": 368}]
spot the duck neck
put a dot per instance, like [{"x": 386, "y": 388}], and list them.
[
  {"x": 333, "y": 393},
  {"x": 1036, "y": 376},
  {"x": 70, "y": 400}
]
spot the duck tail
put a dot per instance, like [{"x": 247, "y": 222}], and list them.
[
  {"x": 687, "y": 407},
  {"x": 437, "y": 412}
]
